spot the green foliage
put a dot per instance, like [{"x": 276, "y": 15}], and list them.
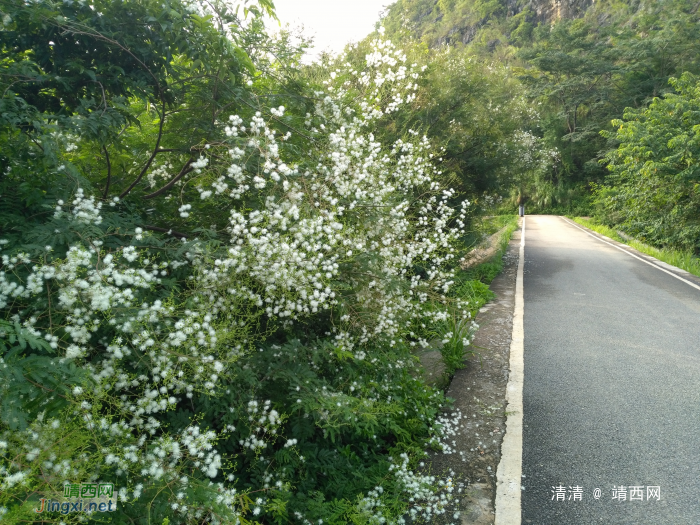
[
  {"x": 586, "y": 73},
  {"x": 346, "y": 416},
  {"x": 439, "y": 22},
  {"x": 126, "y": 130},
  {"x": 510, "y": 224},
  {"x": 475, "y": 287},
  {"x": 468, "y": 109},
  {"x": 456, "y": 334},
  {"x": 31, "y": 382},
  {"x": 579, "y": 74},
  {"x": 473, "y": 282},
  {"x": 491, "y": 224},
  {"x": 570, "y": 67},
  {"x": 652, "y": 191}
]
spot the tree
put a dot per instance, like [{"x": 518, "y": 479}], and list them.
[
  {"x": 653, "y": 190},
  {"x": 529, "y": 171}
]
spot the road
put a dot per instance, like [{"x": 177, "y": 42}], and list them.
[{"x": 611, "y": 392}]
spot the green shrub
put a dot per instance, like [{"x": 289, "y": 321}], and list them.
[{"x": 212, "y": 273}]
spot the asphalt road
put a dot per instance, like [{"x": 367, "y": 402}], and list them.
[{"x": 612, "y": 383}]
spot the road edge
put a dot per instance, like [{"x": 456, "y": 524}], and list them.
[
  {"x": 642, "y": 256},
  {"x": 510, "y": 468}
]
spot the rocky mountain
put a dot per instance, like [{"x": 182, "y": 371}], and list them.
[
  {"x": 440, "y": 22},
  {"x": 552, "y": 10}
]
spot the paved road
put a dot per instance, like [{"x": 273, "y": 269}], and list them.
[{"x": 612, "y": 383}]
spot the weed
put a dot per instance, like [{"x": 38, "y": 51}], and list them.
[{"x": 456, "y": 333}]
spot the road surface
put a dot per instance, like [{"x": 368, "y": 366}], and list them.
[{"x": 611, "y": 393}]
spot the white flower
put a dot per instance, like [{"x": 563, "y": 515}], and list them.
[{"x": 74, "y": 351}]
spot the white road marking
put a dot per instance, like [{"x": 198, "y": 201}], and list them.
[
  {"x": 510, "y": 468},
  {"x": 655, "y": 265}
]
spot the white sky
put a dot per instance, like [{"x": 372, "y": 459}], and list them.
[{"x": 332, "y": 23}]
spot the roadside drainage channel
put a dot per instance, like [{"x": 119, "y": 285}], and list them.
[
  {"x": 509, "y": 474},
  {"x": 479, "y": 393}
]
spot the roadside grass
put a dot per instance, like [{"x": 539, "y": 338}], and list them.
[
  {"x": 491, "y": 224},
  {"x": 684, "y": 260},
  {"x": 473, "y": 282},
  {"x": 472, "y": 285}
]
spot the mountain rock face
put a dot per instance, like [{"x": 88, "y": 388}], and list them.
[
  {"x": 553, "y": 10},
  {"x": 444, "y": 22}
]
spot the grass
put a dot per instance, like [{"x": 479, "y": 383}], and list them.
[
  {"x": 485, "y": 272},
  {"x": 490, "y": 225},
  {"x": 473, "y": 286},
  {"x": 508, "y": 228},
  {"x": 684, "y": 260}
]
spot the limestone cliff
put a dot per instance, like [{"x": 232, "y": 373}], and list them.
[
  {"x": 552, "y": 10},
  {"x": 440, "y": 22}
]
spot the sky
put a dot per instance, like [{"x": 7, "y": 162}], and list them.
[{"x": 333, "y": 23}]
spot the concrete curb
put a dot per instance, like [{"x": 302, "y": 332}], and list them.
[{"x": 510, "y": 468}]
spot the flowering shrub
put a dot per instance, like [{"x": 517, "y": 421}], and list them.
[{"x": 255, "y": 370}]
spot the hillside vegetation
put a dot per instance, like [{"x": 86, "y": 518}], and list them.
[{"x": 590, "y": 71}]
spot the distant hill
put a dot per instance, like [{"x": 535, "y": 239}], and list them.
[
  {"x": 439, "y": 22},
  {"x": 588, "y": 70}
]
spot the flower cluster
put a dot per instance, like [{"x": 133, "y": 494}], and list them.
[
  {"x": 85, "y": 210},
  {"x": 264, "y": 422},
  {"x": 340, "y": 231}
]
